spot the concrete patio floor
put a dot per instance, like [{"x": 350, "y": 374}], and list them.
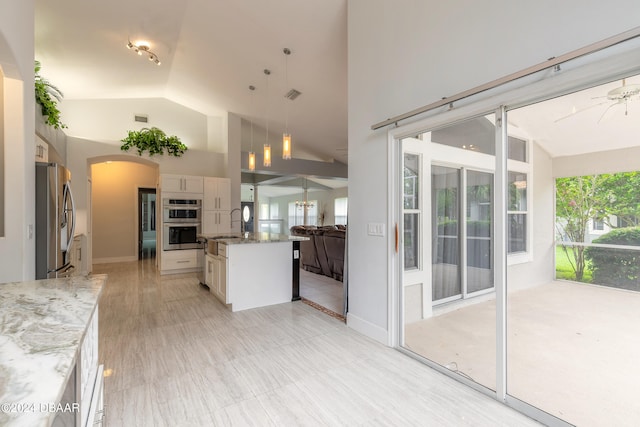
[{"x": 573, "y": 350}]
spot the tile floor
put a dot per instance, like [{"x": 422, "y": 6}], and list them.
[
  {"x": 572, "y": 349},
  {"x": 175, "y": 356},
  {"x": 323, "y": 290}
]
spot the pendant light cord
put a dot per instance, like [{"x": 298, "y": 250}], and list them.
[
  {"x": 252, "y": 89},
  {"x": 266, "y": 114}
]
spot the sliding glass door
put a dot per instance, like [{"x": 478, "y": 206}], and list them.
[
  {"x": 445, "y": 224},
  {"x": 448, "y": 202},
  {"x": 462, "y": 250},
  {"x": 536, "y": 310}
]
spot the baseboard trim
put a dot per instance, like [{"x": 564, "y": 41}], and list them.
[
  {"x": 112, "y": 260},
  {"x": 367, "y": 328}
]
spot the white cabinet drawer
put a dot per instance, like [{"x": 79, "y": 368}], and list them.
[
  {"x": 178, "y": 260},
  {"x": 174, "y": 264},
  {"x": 222, "y": 250}
]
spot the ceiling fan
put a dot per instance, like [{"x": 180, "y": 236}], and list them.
[{"x": 621, "y": 95}]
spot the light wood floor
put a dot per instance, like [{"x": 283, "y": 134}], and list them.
[{"x": 175, "y": 356}]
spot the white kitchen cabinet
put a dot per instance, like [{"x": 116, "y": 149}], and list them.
[
  {"x": 216, "y": 276},
  {"x": 186, "y": 259},
  {"x": 91, "y": 376},
  {"x": 216, "y": 222},
  {"x": 221, "y": 264},
  {"x": 208, "y": 273},
  {"x": 216, "y": 206},
  {"x": 181, "y": 184},
  {"x": 96, "y": 415},
  {"x": 217, "y": 194}
]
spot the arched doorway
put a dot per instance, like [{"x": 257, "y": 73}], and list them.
[{"x": 120, "y": 216}]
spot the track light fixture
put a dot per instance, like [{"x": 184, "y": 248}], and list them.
[{"x": 141, "y": 47}]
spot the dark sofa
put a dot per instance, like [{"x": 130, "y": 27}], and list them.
[{"x": 323, "y": 253}]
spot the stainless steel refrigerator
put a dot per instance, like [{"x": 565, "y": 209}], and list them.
[{"x": 55, "y": 221}]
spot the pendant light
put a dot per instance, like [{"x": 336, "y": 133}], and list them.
[
  {"x": 267, "y": 148},
  {"x": 286, "y": 136},
  {"x": 252, "y": 154}
]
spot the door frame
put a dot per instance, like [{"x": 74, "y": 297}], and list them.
[
  {"x": 396, "y": 263},
  {"x": 610, "y": 64},
  {"x": 141, "y": 192}
]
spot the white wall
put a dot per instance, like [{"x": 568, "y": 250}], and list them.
[
  {"x": 115, "y": 208},
  {"x": 108, "y": 120},
  {"x": 407, "y": 53},
  {"x": 541, "y": 267},
  {"x": 16, "y": 59},
  {"x": 82, "y": 153}
]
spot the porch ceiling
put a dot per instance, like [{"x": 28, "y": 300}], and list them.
[{"x": 582, "y": 122}]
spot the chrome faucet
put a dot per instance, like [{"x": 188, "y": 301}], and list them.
[{"x": 241, "y": 220}]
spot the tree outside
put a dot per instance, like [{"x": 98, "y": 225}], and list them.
[{"x": 611, "y": 198}]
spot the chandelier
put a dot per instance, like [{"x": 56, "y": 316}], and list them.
[{"x": 304, "y": 204}]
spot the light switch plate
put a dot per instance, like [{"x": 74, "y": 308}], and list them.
[{"x": 376, "y": 229}]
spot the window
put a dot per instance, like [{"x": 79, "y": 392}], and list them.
[
  {"x": 264, "y": 210},
  {"x": 295, "y": 215},
  {"x": 274, "y": 212},
  {"x": 312, "y": 213},
  {"x": 517, "y": 212},
  {"x": 598, "y": 224},
  {"x": 518, "y": 149},
  {"x": 340, "y": 210}
]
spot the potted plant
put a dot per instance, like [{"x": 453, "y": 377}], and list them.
[
  {"x": 48, "y": 96},
  {"x": 153, "y": 140}
]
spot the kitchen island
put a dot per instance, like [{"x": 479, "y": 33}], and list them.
[
  {"x": 49, "y": 371},
  {"x": 253, "y": 269}
]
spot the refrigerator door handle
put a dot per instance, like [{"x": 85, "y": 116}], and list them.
[
  {"x": 73, "y": 215},
  {"x": 71, "y": 211},
  {"x": 68, "y": 267}
]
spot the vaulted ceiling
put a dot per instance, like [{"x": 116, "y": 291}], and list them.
[{"x": 210, "y": 52}]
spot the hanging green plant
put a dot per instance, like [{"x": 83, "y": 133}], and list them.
[
  {"x": 153, "y": 140},
  {"x": 48, "y": 96}
]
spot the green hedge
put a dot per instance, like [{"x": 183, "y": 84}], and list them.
[{"x": 619, "y": 268}]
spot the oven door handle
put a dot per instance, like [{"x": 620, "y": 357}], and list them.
[
  {"x": 181, "y": 224},
  {"x": 182, "y": 207}
]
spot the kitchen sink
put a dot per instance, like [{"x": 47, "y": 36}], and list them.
[{"x": 212, "y": 242}]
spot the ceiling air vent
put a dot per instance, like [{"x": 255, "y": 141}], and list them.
[
  {"x": 292, "y": 94},
  {"x": 142, "y": 118}
]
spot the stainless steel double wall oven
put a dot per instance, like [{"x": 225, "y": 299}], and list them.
[{"x": 182, "y": 219}]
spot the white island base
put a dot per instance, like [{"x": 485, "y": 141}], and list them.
[{"x": 258, "y": 274}]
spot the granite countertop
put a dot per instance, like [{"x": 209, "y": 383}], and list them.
[
  {"x": 238, "y": 238},
  {"x": 42, "y": 323}
]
